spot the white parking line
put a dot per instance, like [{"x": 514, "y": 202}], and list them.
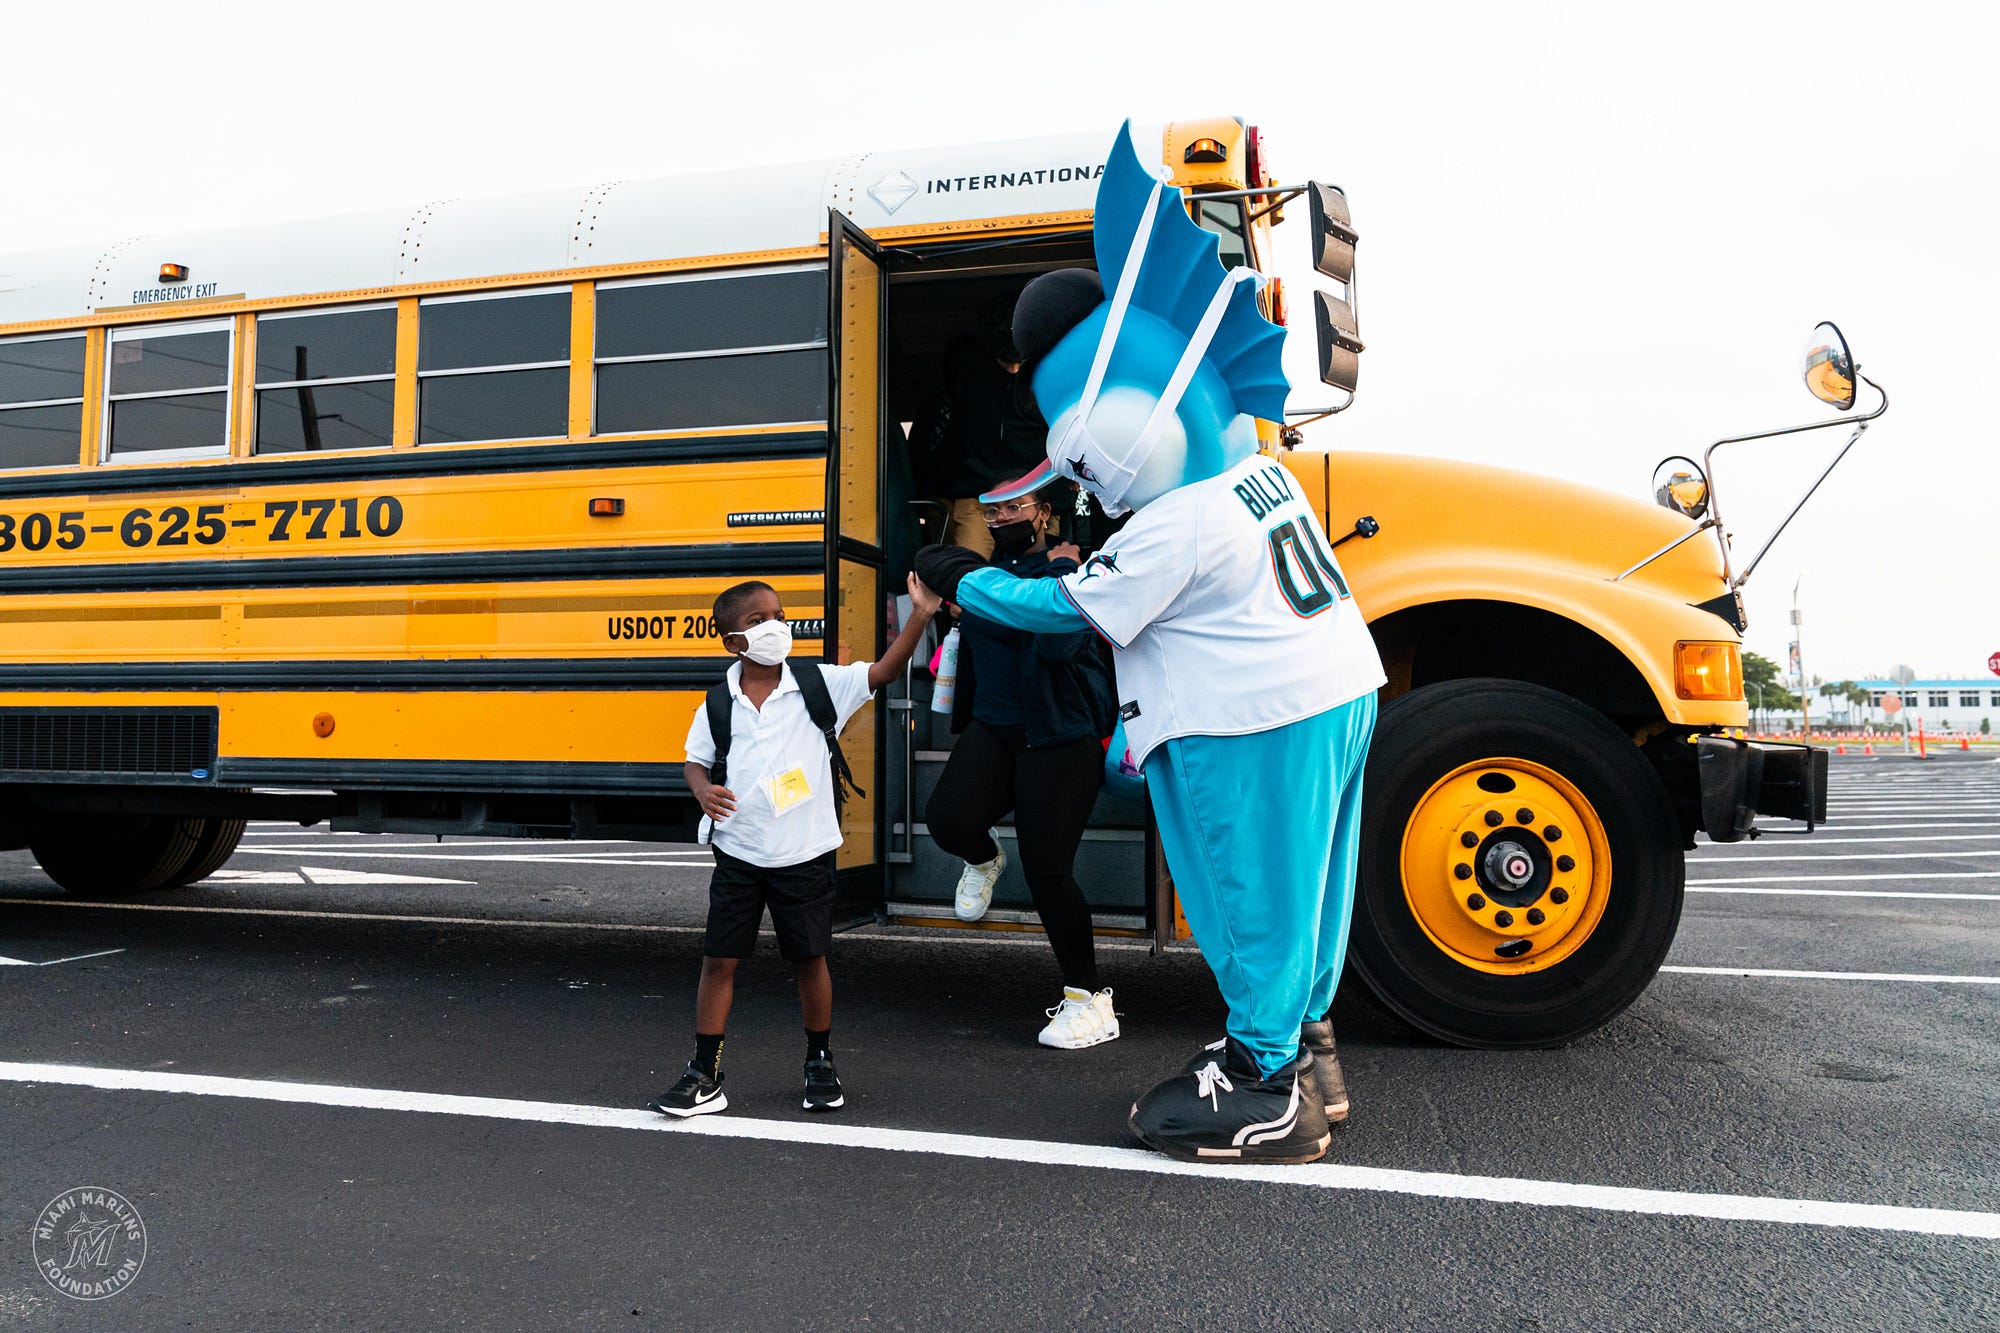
[
  {"x": 1036, "y": 1152},
  {"x": 1848, "y": 856},
  {"x": 1741, "y": 886},
  {"x": 530, "y": 858},
  {"x": 1818, "y": 841},
  {"x": 1832, "y": 879},
  {"x": 1833, "y": 976}
]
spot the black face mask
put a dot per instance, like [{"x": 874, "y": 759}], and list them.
[{"x": 1012, "y": 539}]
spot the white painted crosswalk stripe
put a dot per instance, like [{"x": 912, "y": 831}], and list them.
[{"x": 1037, "y": 1152}]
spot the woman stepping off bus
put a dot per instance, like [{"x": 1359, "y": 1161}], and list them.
[{"x": 1029, "y": 714}]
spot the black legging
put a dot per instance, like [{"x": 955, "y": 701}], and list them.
[{"x": 1050, "y": 789}]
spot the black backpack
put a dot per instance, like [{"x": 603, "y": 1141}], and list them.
[{"x": 819, "y": 707}]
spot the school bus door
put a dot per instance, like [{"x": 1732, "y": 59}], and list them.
[{"x": 855, "y": 612}]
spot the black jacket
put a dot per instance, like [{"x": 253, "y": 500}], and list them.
[{"x": 1066, "y": 686}]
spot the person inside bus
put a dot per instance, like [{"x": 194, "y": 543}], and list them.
[
  {"x": 974, "y": 434},
  {"x": 775, "y": 826},
  {"x": 1029, "y": 713}
]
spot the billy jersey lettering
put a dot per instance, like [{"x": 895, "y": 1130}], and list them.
[{"x": 1228, "y": 610}]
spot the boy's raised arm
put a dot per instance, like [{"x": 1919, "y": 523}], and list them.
[{"x": 923, "y": 605}]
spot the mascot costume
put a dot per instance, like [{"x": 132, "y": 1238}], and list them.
[{"x": 1246, "y": 675}]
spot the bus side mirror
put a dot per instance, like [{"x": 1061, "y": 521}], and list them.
[
  {"x": 1339, "y": 342},
  {"x": 1333, "y": 234},
  {"x": 1829, "y": 366}
]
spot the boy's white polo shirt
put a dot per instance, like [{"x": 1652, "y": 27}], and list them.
[{"x": 768, "y": 743}]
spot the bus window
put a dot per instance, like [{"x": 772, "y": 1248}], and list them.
[
  {"x": 493, "y": 368},
  {"x": 726, "y": 350},
  {"x": 1225, "y": 219},
  {"x": 326, "y": 380},
  {"x": 41, "y": 400},
  {"x": 170, "y": 391}
]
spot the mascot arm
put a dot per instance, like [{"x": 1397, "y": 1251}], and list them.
[{"x": 1037, "y": 605}]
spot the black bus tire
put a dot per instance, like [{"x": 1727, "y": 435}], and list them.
[
  {"x": 1579, "y": 809},
  {"x": 115, "y": 856},
  {"x": 218, "y": 842}
]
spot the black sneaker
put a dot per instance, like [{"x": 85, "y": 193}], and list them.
[
  {"x": 1226, "y": 1111},
  {"x": 695, "y": 1094},
  {"x": 1318, "y": 1038},
  {"x": 822, "y": 1085},
  {"x": 1315, "y": 1037}
]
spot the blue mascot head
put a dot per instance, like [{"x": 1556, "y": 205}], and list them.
[{"x": 1157, "y": 386}]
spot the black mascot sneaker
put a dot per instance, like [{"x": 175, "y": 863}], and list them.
[
  {"x": 1317, "y": 1038},
  {"x": 1226, "y": 1111}
]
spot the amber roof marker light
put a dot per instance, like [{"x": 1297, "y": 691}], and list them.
[{"x": 173, "y": 272}]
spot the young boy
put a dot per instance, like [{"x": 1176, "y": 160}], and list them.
[{"x": 774, "y": 831}]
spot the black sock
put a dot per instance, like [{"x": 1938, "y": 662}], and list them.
[
  {"x": 817, "y": 1044},
  {"x": 708, "y": 1054}
]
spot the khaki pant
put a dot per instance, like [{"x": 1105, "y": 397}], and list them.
[{"x": 966, "y": 528}]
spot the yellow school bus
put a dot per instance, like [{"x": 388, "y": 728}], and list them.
[{"x": 412, "y": 520}]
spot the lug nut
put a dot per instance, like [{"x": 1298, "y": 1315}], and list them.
[
  {"x": 1535, "y": 917},
  {"x": 1493, "y": 819},
  {"x": 1468, "y": 839},
  {"x": 1552, "y": 833},
  {"x": 1474, "y": 901},
  {"x": 1565, "y": 863},
  {"x": 1558, "y": 895},
  {"x": 1462, "y": 871},
  {"x": 1503, "y": 918},
  {"x": 1525, "y": 815}
]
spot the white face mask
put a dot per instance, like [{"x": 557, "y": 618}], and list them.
[
  {"x": 1104, "y": 470},
  {"x": 768, "y": 642}
]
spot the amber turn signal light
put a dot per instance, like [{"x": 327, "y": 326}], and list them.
[
  {"x": 1708, "y": 670},
  {"x": 607, "y": 506}
]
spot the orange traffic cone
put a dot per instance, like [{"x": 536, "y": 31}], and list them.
[
  {"x": 1840, "y": 749},
  {"x": 1868, "y": 749},
  {"x": 1965, "y": 742}
]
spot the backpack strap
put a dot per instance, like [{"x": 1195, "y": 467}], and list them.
[
  {"x": 819, "y": 707},
  {"x": 720, "y": 704}
]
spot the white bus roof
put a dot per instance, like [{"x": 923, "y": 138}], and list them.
[{"x": 749, "y": 212}]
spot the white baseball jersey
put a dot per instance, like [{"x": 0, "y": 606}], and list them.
[
  {"x": 1228, "y": 610},
  {"x": 779, "y": 769}
]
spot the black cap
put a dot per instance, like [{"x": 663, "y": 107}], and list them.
[{"x": 1051, "y": 306}]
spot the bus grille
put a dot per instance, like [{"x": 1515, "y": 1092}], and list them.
[{"x": 134, "y": 742}]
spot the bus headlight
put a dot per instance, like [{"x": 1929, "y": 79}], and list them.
[{"x": 1709, "y": 671}]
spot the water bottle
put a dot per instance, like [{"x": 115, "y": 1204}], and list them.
[{"x": 947, "y": 674}]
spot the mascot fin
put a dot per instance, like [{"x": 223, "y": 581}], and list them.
[{"x": 1179, "y": 276}]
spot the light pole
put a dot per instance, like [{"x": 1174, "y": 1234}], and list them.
[
  {"x": 1760, "y": 703},
  {"x": 1799, "y": 651}
]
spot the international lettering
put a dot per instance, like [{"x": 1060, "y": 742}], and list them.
[{"x": 1008, "y": 180}]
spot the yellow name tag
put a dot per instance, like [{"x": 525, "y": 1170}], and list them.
[{"x": 787, "y": 790}]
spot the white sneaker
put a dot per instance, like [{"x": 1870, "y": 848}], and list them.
[
  {"x": 1082, "y": 1019},
  {"x": 975, "y": 886}
]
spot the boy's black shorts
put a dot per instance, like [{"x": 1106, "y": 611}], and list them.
[{"x": 800, "y": 898}]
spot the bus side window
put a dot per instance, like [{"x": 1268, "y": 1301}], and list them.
[
  {"x": 493, "y": 367},
  {"x": 734, "y": 349},
  {"x": 326, "y": 380},
  {"x": 41, "y": 400},
  {"x": 1225, "y": 219},
  {"x": 170, "y": 390}
]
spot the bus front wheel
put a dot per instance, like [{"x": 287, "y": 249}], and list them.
[
  {"x": 115, "y": 856},
  {"x": 1520, "y": 873}
]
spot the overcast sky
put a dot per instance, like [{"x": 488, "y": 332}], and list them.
[{"x": 1592, "y": 235}]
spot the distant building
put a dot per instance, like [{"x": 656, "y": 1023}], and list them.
[{"x": 1944, "y": 705}]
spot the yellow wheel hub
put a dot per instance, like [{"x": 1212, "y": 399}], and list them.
[{"x": 1506, "y": 866}]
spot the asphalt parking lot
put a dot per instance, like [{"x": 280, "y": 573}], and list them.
[{"x": 367, "y": 1082}]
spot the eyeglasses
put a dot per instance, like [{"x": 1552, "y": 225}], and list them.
[{"x": 1010, "y": 510}]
